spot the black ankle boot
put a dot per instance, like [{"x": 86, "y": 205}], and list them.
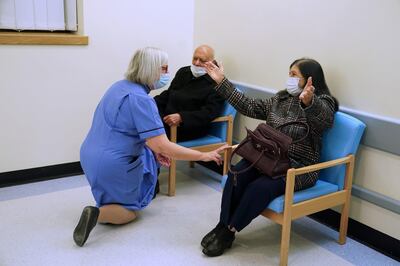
[
  {"x": 222, "y": 241},
  {"x": 86, "y": 223},
  {"x": 208, "y": 238}
]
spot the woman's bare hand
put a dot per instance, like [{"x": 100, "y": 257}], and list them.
[
  {"x": 163, "y": 160},
  {"x": 215, "y": 72},
  {"x": 307, "y": 94},
  {"x": 214, "y": 155}
]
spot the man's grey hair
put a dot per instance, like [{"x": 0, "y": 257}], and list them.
[{"x": 145, "y": 65}]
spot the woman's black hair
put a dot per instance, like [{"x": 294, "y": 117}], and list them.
[{"x": 310, "y": 68}]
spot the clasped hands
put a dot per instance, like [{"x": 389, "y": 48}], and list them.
[{"x": 172, "y": 119}]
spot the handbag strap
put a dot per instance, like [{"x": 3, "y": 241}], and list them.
[
  {"x": 235, "y": 173},
  {"x": 247, "y": 168},
  {"x": 296, "y": 122}
]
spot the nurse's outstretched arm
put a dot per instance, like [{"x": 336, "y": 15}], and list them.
[{"x": 161, "y": 144}]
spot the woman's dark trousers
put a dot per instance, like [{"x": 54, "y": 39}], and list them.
[{"x": 251, "y": 195}]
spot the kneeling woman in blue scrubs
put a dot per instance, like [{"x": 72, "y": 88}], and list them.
[{"x": 126, "y": 144}]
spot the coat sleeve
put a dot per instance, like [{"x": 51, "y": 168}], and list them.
[
  {"x": 320, "y": 113},
  {"x": 209, "y": 111},
  {"x": 251, "y": 107}
]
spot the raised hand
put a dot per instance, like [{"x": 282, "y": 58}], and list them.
[
  {"x": 307, "y": 94},
  {"x": 215, "y": 72},
  {"x": 172, "y": 119}
]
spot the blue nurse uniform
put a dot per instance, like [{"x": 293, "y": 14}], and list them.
[{"x": 120, "y": 168}]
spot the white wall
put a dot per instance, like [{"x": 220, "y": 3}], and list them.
[
  {"x": 48, "y": 93},
  {"x": 356, "y": 42}
]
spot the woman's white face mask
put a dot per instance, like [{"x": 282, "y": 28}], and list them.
[{"x": 292, "y": 86}]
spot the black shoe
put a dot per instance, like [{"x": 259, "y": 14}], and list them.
[
  {"x": 208, "y": 238},
  {"x": 221, "y": 242},
  {"x": 156, "y": 189},
  {"x": 86, "y": 223}
]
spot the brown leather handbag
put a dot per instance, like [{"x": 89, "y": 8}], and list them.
[{"x": 267, "y": 149}]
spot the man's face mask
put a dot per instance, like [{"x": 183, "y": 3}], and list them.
[
  {"x": 198, "y": 71},
  {"x": 162, "y": 82},
  {"x": 292, "y": 86}
]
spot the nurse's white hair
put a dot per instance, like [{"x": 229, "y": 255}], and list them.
[{"x": 145, "y": 65}]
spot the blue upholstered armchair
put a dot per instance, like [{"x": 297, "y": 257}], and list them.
[
  {"x": 340, "y": 144},
  {"x": 219, "y": 134}
]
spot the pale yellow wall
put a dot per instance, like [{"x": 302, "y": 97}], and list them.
[
  {"x": 48, "y": 93},
  {"x": 356, "y": 42}
]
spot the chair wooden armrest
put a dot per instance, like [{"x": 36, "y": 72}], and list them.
[
  {"x": 228, "y": 118},
  {"x": 348, "y": 160},
  {"x": 323, "y": 165},
  {"x": 222, "y": 119}
]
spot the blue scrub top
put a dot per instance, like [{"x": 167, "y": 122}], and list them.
[{"x": 120, "y": 168}]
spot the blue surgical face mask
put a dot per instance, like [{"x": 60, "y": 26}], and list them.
[
  {"x": 198, "y": 71},
  {"x": 162, "y": 82},
  {"x": 292, "y": 86}
]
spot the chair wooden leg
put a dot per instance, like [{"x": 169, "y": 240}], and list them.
[
  {"x": 172, "y": 178},
  {"x": 191, "y": 164},
  {"x": 227, "y": 157},
  {"x": 285, "y": 240},
  {"x": 344, "y": 217},
  {"x": 344, "y": 220},
  {"x": 287, "y": 217}
]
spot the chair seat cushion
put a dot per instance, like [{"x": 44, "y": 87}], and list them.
[
  {"x": 206, "y": 140},
  {"x": 319, "y": 189}
]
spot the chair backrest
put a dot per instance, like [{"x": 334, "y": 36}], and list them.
[
  {"x": 219, "y": 129},
  {"x": 339, "y": 141}
]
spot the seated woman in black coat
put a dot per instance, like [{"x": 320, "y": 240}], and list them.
[{"x": 306, "y": 99}]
